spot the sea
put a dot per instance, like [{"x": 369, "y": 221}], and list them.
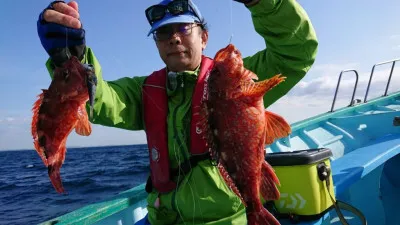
[{"x": 89, "y": 175}]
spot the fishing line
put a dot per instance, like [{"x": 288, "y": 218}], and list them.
[
  {"x": 191, "y": 189},
  {"x": 67, "y": 52},
  {"x": 177, "y": 157},
  {"x": 230, "y": 18}
]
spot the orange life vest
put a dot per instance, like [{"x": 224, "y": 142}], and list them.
[{"x": 155, "y": 110}]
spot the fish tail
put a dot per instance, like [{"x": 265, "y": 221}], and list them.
[
  {"x": 262, "y": 217},
  {"x": 34, "y": 128},
  {"x": 269, "y": 180},
  {"x": 54, "y": 174}
]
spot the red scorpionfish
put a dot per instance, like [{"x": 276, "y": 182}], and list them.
[
  {"x": 59, "y": 110},
  {"x": 238, "y": 128}
]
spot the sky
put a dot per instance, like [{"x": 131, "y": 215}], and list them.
[{"x": 352, "y": 35}]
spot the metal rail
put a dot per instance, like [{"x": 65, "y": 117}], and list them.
[
  {"x": 389, "y": 79},
  {"x": 337, "y": 88}
]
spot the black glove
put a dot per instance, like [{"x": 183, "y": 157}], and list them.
[{"x": 60, "y": 41}]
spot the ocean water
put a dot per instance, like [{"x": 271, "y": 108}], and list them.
[{"x": 89, "y": 175}]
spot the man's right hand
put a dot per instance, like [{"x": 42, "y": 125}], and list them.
[{"x": 60, "y": 31}]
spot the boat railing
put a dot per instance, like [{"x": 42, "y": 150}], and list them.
[
  {"x": 338, "y": 84},
  {"x": 352, "y": 102},
  {"x": 389, "y": 79}
]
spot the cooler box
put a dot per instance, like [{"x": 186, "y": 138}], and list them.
[{"x": 304, "y": 193}]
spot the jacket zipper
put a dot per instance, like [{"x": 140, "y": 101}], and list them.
[{"x": 177, "y": 137}]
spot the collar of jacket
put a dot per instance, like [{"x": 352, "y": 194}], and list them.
[{"x": 172, "y": 78}]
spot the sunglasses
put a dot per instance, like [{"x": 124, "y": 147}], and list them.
[
  {"x": 157, "y": 12},
  {"x": 165, "y": 32}
]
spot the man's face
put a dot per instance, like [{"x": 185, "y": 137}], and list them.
[{"x": 183, "y": 49}]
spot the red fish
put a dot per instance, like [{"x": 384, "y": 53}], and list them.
[
  {"x": 59, "y": 110},
  {"x": 238, "y": 128}
]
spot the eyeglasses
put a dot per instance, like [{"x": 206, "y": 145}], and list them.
[
  {"x": 165, "y": 32},
  {"x": 157, "y": 12}
]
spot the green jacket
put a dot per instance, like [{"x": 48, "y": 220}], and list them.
[{"x": 203, "y": 197}]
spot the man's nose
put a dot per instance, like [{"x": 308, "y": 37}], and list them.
[{"x": 175, "y": 39}]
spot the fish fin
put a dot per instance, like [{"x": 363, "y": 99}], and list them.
[
  {"x": 261, "y": 217},
  {"x": 228, "y": 180},
  {"x": 276, "y": 127},
  {"x": 83, "y": 126},
  {"x": 269, "y": 180},
  {"x": 257, "y": 89},
  {"x": 35, "y": 119},
  {"x": 55, "y": 178},
  {"x": 249, "y": 74}
]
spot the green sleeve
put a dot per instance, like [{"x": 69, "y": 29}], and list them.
[
  {"x": 118, "y": 103},
  {"x": 291, "y": 44}
]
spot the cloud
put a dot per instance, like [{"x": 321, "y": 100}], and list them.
[
  {"x": 9, "y": 119},
  {"x": 396, "y": 47},
  {"x": 313, "y": 96},
  {"x": 297, "y": 108},
  {"x": 332, "y": 67},
  {"x": 395, "y": 41},
  {"x": 325, "y": 78},
  {"x": 394, "y": 36},
  {"x": 13, "y": 120}
]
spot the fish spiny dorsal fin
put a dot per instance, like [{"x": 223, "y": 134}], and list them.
[
  {"x": 248, "y": 74},
  {"x": 258, "y": 89},
  {"x": 34, "y": 129},
  {"x": 83, "y": 126},
  {"x": 275, "y": 127}
]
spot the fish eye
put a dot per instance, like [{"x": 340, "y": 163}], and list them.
[
  {"x": 88, "y": 67},
  {"x": 216, "y": 71}
]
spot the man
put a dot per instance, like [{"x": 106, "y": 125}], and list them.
[{"x": 184, "y": 188}]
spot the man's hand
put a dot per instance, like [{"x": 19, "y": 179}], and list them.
[
  {"x": 60, "y": 31},
  {"x": 63, "y": 14}
]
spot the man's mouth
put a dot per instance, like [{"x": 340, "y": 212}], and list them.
[{"x": 176, "y": 53}]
